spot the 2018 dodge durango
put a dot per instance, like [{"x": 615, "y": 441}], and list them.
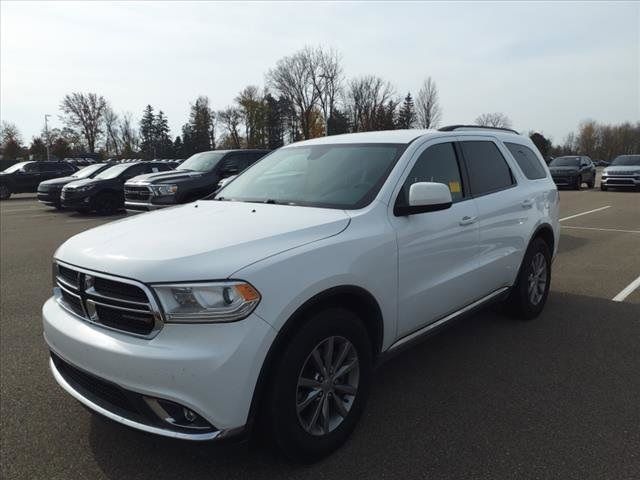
[{"x": 274, "y": 299}]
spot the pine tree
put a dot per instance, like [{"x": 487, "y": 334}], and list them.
[
  {"x": 178, "y": 148},
  {"x": 200, "y": 125},
  {"x": 147, "y": 133},
  {"x": 162, "y": 142},
  {"x": 407, "y": 114}
]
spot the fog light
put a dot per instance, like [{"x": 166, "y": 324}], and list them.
[
  {"x": 189, "y": 415},
  {"x": 177, "y": 415}
]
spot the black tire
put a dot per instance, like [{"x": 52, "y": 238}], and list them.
[
  {"x": 603, "y": 187},
  {"x": 592, "y": 183},
  {"x": 5, "y": 193},
  {"x": 281, "y": 413},
  {"x": 578, "y": 183},
  {"x": 105, "y": 204},
  {"x": 57, "y": 206},
  {"x": 520, "y": 303}
]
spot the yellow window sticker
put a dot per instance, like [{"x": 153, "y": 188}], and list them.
[{"x": 455, "y": 187}]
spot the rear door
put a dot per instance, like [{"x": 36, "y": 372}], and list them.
[{"x": 504, "y": 210}]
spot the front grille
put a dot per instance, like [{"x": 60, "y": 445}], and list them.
[
  {"x": 135, "y": 193},
  {"x": 123, "y": 291},
  {"x": 620, "y": 172},
  {"x": 122, "y": 305},
  {"x": 94, "y": 387},
  {"x": 620, "y": 181}
]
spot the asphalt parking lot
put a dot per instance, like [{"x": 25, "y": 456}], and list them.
[{"x": 490, "y": 397}]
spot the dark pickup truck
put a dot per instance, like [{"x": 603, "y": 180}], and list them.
[
  {"x": 104, "y": 193},
  {"x": 24, "y": 177},
  {"x": 49, "y": 191},
  {"x": 195, "y": 178}
]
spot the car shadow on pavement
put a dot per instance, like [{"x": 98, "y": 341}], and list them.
[
  {"x": 570, "y": 242},
  {"x": 489, "y": 397}
]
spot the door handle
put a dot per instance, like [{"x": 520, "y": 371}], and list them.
[
  {"x": 527, "y": 203},
  {"x": 466, "y": 220}
]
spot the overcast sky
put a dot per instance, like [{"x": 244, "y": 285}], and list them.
[{"x": 548, "y": 66}]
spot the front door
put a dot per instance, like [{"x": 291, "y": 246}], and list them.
[{"x": 437, "y": 251}]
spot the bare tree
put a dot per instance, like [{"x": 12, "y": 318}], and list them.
[
  {"x": 292, "y": 78},
  {"x": 496, "y": 119},
  {"x": 231, "y": 117},
  {"x": 365, "y": 99},
  {"x": 428, "y": 110},
  {"x": 254, "y": 110},
  {"x": 84, "y": 112},
  {"x": 326, "y": 76},
  {"x": 128, "y": 137},
  {"x": 111, "y": 128},
  {"x": 9, "y": 133}
]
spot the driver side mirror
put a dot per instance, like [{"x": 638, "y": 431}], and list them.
[{"x": 426, "y": 197}]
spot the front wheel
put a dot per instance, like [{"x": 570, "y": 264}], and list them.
[
  {"x": 603, "y": 187},
  {"x": 320, "y": 385},
  {"x": 5, "y": 193},
  {"x": 105, "y": 204},
  {"x": 578, "y": 183},
  {"x": 529, "y": 294}
]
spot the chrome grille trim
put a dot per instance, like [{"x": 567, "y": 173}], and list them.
[{"x": 89, "y": 296}]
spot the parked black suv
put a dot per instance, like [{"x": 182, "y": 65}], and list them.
[
  {"x": 104, "y": 193},
  {"x": 24, "y": 177},
  {"x": 195, "y": 178},
  {"x": 573, "y": 171},
  {"x": 49, "y": 191}
]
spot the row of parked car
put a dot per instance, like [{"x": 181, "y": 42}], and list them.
[
  {"x": 135, "y": 184},
  {"x": 575, "y": 170}
]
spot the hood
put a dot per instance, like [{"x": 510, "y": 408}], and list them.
[
  {"x": 56, "y": 183},
  {"x": 205, "y": 240},
  {"x": 622, "y": 169},
  {"x": 564, "y": 169},
  {"x": 87, "y": 181},
  {"x": 170, "y": 176}
]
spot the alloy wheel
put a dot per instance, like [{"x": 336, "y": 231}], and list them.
[
  {"x": 537, "y": 280},
  {"x": 327, "y": 385}
]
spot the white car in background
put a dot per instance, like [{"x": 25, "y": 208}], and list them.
[
  {"x": 624, "y": 172},
  {"x": 275, "y": 298}
]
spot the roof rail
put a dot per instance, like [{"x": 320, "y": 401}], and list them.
[{"x": 451, "y": 128}]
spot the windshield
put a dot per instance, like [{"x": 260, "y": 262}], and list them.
[
  {"x": 332, "y": 176},
  {"x": 201, "y": 162},
  {"x": 86, "y": 172},
  {"x": 565, "y": 162},
  {"x": 627, "y": 160},
  {"x": 113, "y": 172},
  {"x": 15, "y": 167}
]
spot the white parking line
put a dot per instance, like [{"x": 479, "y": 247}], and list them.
[
  {"x": 602, "y": 229},
  {"x": 627, "y": 290},
  {"x": 585, "y": 213}
]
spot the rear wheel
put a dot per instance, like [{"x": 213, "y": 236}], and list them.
[
  {"x": 320, "y": 385},
  {"x": 5, "y": 193},
  {"x": 578, "y": 183},
  {"x": 529, "y": 294},
  {"x": 603, "y": 187},
  {"x": 592, "y": 183}
]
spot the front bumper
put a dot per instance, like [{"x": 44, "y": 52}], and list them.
[
  {"x": 565, "y": 180},
  {"x": 211, "y": 369},
  {"x": 75, "y": 200},
  {"x": 144, "y": 206},
  {"x": 49, "y": 197},
  {"x": 621, "y": 181}
]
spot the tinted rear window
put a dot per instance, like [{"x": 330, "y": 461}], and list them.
[
  {"x": 527, "y": 161},
  {"x": 488, "y": 170}
]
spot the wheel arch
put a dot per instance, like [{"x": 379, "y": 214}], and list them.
[
  {"x": 545, "y": 231},
  {"x": 351, "y": 297}
]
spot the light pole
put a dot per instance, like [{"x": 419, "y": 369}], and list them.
[{"x": 46, "y": 132}]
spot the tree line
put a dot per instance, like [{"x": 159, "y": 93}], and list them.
[{"x": 305, "y": 95}]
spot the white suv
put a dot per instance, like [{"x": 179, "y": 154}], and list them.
[{"x": 276, "y": 298}]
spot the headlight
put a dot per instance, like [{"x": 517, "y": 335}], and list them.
[
  {"x": 207, "y": 302},
  {"x": 164, "y": 189},
  {"x": 86, "y": 188}
]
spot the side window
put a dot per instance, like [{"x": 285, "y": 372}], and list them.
[
  {"x": 134, "y": 171},
  {"x": 232, "y": 164},
  {"x": 527, "y": 161},
  {"x": 438, "y": 163},
  {"x": 488, "y": 170}
]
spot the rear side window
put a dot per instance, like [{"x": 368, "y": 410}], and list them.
[
  {"x": 527, "y": 161},
  {"x": 488, "y": 170},
  {"x": 437, "y": 163}
]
